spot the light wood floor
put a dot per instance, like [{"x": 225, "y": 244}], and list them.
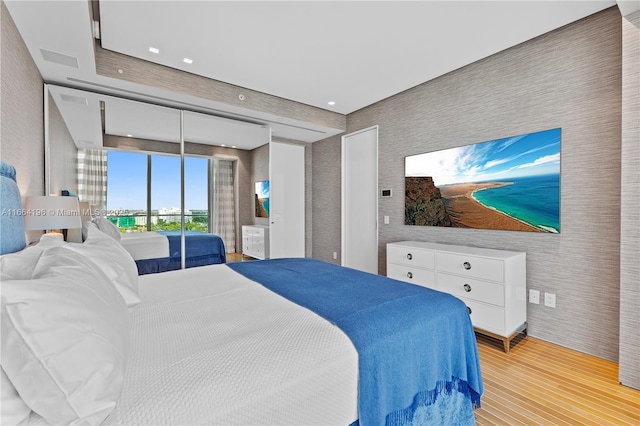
[
  {"x": 238, "y": 257},
  {"x": 234, "y": 257},
  {"x": 540, "y": 383}
]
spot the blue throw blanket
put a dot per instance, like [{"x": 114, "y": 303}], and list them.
[
  {"x": 416, "y": 347},
  {"x": 196, "y": 244}
]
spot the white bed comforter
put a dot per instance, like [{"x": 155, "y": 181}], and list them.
[
  {"x": 210, "y": 346},
  {"x": 145, "y": 245}
]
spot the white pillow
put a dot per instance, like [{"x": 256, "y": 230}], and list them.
[
  {"x": 113, "y": 259},
  {"x": 19, "y": 265},
  {"x": 65, "y": 338},
  {"x": 106, "y": 226},
  {"x": 14, "y": 409}
]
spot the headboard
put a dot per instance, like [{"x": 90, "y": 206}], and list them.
[{"x": 12, "y": 237}]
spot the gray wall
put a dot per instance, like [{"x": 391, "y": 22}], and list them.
[
  {"x": 21, "y": 109},
  {"x": 259, "y": 172},
  {"x": 569, "y": 78},
  {"x": 327, "y": 199},
  {"x": 630, "y": 208}
]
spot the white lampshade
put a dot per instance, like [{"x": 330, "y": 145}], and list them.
[{"x": 43, "y": 212}]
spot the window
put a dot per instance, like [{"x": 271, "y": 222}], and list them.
[
  {"x": 165, "y": 193},
  {"x": 196, "y": 194},
  {"x": 208, "y": 186},
  {"x": 127, "y": 190}
]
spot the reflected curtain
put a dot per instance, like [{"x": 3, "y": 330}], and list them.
[
  {"x": 222, "y": 203},
  {"x": 92, "y": 177}
]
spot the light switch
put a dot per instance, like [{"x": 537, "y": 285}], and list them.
[{"x": 386, "y": 220}]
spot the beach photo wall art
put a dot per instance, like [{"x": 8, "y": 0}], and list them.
[
  {"x": 505, "y": 184},
  {"x": 262, "y": 199}
]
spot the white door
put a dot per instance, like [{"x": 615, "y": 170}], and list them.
[
  {"x": 360, "y": 200},
  {"x": 286, "y": 218}
]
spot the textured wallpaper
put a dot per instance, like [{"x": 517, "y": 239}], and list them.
[
  {"x": 569, "y": 78},
  {"x": 22, "y": 105},
  {"x": 630, "y": 208}
]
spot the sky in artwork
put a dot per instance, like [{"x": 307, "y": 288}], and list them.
[
  {"x": 262, "y": 189},
  {"x": 532, "y": 154}
]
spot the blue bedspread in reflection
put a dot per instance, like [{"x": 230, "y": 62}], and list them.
[
  {"x": 196, "y": 244},
  {"x": 201, "y": 249}
]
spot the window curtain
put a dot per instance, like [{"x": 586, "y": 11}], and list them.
[
  {"x": 222, "y": 203},
  {"x": 92, "y": 177}
]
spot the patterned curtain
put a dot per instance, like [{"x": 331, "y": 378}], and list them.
[
  {"x": 222, "y": 203},
  {"x": 92, "y": 177}
]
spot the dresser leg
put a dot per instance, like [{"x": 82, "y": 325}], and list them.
[{"x": 506, "y": 341}]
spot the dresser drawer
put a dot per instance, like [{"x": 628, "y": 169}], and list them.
[
  {"x": 469, "y": 288},
  {"x": 486, "y": 317},
  {"x": 411, "y": 256},
  {"x": 252, "y": 230},
  {"x": 471, "y": 266},
  {"x": 412, "y": 275}
]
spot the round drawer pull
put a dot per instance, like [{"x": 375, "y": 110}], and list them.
[
  {"x": 409, "y": 256},
  {"x": 466, "y": 265},
  {"x": 467, "y": 288},
  {"x": 469, "y": 309},
  {"x": 409, "y": 275}
]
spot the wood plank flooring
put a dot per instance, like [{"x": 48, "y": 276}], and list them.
[
  {"x": 234, "y": 257},
  {"x": 540, "y": 383}
]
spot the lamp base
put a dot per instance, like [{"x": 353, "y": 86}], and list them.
[{"x": 56, "y": 235}]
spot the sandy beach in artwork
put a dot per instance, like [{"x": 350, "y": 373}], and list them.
[{"x": 466, "y": 212}]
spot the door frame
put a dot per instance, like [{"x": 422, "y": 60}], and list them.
[{"x": 343, "y": 195}]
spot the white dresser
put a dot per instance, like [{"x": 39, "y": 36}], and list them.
[
  {"x": 492, "y": 283},
  {"x": 255, "y": 241}
]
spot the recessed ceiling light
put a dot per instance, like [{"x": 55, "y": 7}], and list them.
[
  {"x": 233, "y": 146},
  {"x": 154, "y": 50},
  {"x": 222, "y": 145},
  {"x": 332, "y": 103},
  {"x": 187, "y": 61},
  {"x": 129, "y": 135}
]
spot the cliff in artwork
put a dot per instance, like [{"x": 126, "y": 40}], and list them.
[{"x": 424, "y": 204}]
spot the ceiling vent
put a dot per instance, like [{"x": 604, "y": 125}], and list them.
[
  {"x": 59, "y": 58},
  {"x": 74, "y": 99}
]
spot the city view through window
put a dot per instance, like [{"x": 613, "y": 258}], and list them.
[{"x": 127, "y": 192}]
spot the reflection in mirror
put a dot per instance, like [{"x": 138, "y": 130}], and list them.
[{"x": 123, "y": 158}]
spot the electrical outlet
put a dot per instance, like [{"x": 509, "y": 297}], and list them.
[
  {"x": 534, "y": 296},
  {"x": 335, "y": 254},
  {"x": 550, "y": 300}
]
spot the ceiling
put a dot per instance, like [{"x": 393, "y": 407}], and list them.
[{"x": 353, "y": 53}]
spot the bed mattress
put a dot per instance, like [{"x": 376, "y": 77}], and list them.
[
  {"x": 229, "y": 351},
  {"x": 145, "y": 245}
]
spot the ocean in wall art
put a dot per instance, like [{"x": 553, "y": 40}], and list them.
[{"x": 505, "y": 184}]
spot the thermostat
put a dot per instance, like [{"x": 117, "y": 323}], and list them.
[{"x": 386, "y": 193}]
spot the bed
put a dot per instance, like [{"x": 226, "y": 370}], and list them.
[
  {"x": 159, "y": 251},
  {"x": 282, "y": 341}
]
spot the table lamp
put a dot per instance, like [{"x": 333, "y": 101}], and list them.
[{"x": 51, "y": 213}]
